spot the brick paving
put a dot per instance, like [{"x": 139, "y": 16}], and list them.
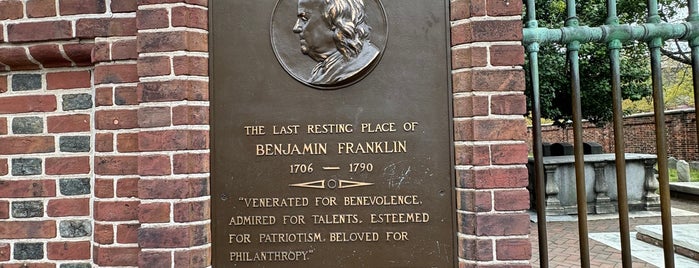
[{"x": 563, "y": 240}]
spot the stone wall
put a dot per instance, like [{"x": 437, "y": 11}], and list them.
[
  {"x": 104, "y": 133},
  {"x": 640, "y": 132}
]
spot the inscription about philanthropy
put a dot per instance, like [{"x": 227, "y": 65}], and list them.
[{"x": 397, "y": 211}]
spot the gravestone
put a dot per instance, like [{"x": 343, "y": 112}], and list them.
[
  {"x": 672, "y": 162},
  {"x": 332, "y": 142},
  {"x": 683, "y": 171}
]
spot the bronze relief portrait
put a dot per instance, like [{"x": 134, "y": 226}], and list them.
[{"x": 328, "y": 44}]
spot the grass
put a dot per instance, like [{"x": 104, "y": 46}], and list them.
[{"x": 693, "y": 175}]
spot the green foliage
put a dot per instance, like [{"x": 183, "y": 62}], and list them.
[
  {"x": 677, "y": 91},
  {"x": 594, "y": 61}
]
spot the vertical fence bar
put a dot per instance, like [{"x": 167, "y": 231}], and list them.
[
  {"x": 661, "y": 137},
  {"x": 619, "y": 147},
  {"x": 540, "y": 180},
  {"x": 573, "y": 49},
  {"x": 694, "y": 44}
]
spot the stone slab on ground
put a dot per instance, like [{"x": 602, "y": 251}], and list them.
[
  {"x": 685, "y": 187},
  {"x": 684, "y": 236},
  {"x": 676, "y": 212},
  {"x": 644, "y": 251}
]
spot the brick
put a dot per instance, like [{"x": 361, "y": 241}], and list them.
[
  {"x": 105, "y": 27},
  {"x": 27, "y": 188},
  {"x": 117, "y": 73},
  {"x": 102, "y": 52},
  {"x": 3, "y": 126},
  {"x": 49, "y": 56},
  {"x": 74, "y": 7},
  {"x": 119, "y": 256},
  {"x": 80, "y": 53},
  {"x": 154, "y": 66},
  {"x": 104, "y": 142},
  {"x": 191, "y": 163},
  {"x": 477, "y": 155},
  {"x": 508, "y": 104},
  {"x": 507, "y": 55},
  {"x": 4, "y": 168},
  {"x": 104, "y": 234},
  {"x": 469, "y": 106},
  {"x": 173, "y": 237},
  {"x": 186, "y": 65},
  {"x": 154, "y": 212},
  {"x": 104, "y": 188},
  {"x": 116, "y": 119},
  {"x": 155, "y": 259},
  {"x": 75, "y": 228},
  {"x": 190, "y": 17},
  {"x": 74, "y": 144},
  {"x": 39, "y": 31},
  {"x": 27, "y": 229},
  {"x": 487, "y": 31},
  {"x": 68, "y": 80},
  {"x": 104, "y": 96},
  {"x": 27, "y": 104},
  {"x": 463, "y": 9},
  {"x": 193, "y": 258},
  {"x": 173, "y": 140},
  {"x": 124, "y": 50},
  {"x": 502, "y": 224},
  {"x": 504, "y": 8},
  {"x": 172, "y": 189},
  {"x": 28, "y": 251},
  {"x": 152, "y": 19},
  {"x": 489, "y": 80},
  {"x": 511, "y": 200},
  {"x": 4, "y": 211},
  {"x": 509, "y": 154},
  {"x": 513, "y": 249},
  {"x": 125, "y": 96},
  {"x": 71, "y": 187},
  {"x": 30, "y": 265},
  {"x": 68, "y": 207},
  {"x": 127, "y": 187},
  {"x": 124, "y": 6},
  {"x": 3, "y": 84},
  {"x": 116, "y": 210},
  {"x": 490, "y": 130},
  {"x": 127, "y": 142},
  {"x": 154, "y": 165},
  {"x": 127, "y": 233},
  {"x": 17, "y": 59},
  {"x": 28, "y": 125},
  {"x": 68, "y": 250},
  {"x": 68, "y": 123},
  {"x": 154, "y": 117},
  {"x": 26, "y": 145},
  {"x": 475, "y": 249},
  {"x": 68, "y": 165},
  {"x": 173, "y": 90},
  {"x": 4, "y": 252},
  {"x": 493, "y": 178},
  {"x": 469, "y": 57},
  {"x": 190, "y": 115},
  {"x": 72, "y": 102},
  {"x": 116, "y": 165},
  {"x": 11, "y": 9},
  {"x": 41, "y": 8},
  {"x": 172, "y": 41},
  {"x": 191, "y": 211},
  {"x": 474, "y": 201}
]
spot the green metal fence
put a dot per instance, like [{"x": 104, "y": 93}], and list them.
[{"x": 654, "y": 32}]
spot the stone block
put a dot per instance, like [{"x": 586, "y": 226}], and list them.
[
  {"x": 77, "y": 102},
  {"x": 26, "y": 166},
  {"x": 25, "y": 82},
  {"x": 74, "y": 144},
  {"x": 75, "y": 228},
  {"x": 592, "y": 148},
  {"x": 28, "y": 125},
  {"x": 561, "y": 148},
  {"x": 74, "y": 186},
  {"x": 29, "y": 251},
  {"x": 27, "y": 209},
  {"x": 76, "y": 265}
]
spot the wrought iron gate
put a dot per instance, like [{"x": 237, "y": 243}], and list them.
[{"x": 654, "y": 32}]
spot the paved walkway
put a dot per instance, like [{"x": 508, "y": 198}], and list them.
[{"x": 563, "y": 240}]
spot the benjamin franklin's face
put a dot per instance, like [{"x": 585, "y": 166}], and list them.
[{"x": 316, "y": 37}]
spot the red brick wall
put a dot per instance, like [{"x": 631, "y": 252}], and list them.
[
  {"x": 490, "y": 133},
  {"x": 639, "y": 131}
]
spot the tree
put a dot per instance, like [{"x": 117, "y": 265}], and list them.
[{"x": 594, "y": 61}]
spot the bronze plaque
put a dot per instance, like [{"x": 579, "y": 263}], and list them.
[{"x": 331, "y": 134}]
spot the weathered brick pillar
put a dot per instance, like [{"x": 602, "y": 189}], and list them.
[
  {"x": 490, "y": 133},
  {"x": 173, "y": 137}
]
